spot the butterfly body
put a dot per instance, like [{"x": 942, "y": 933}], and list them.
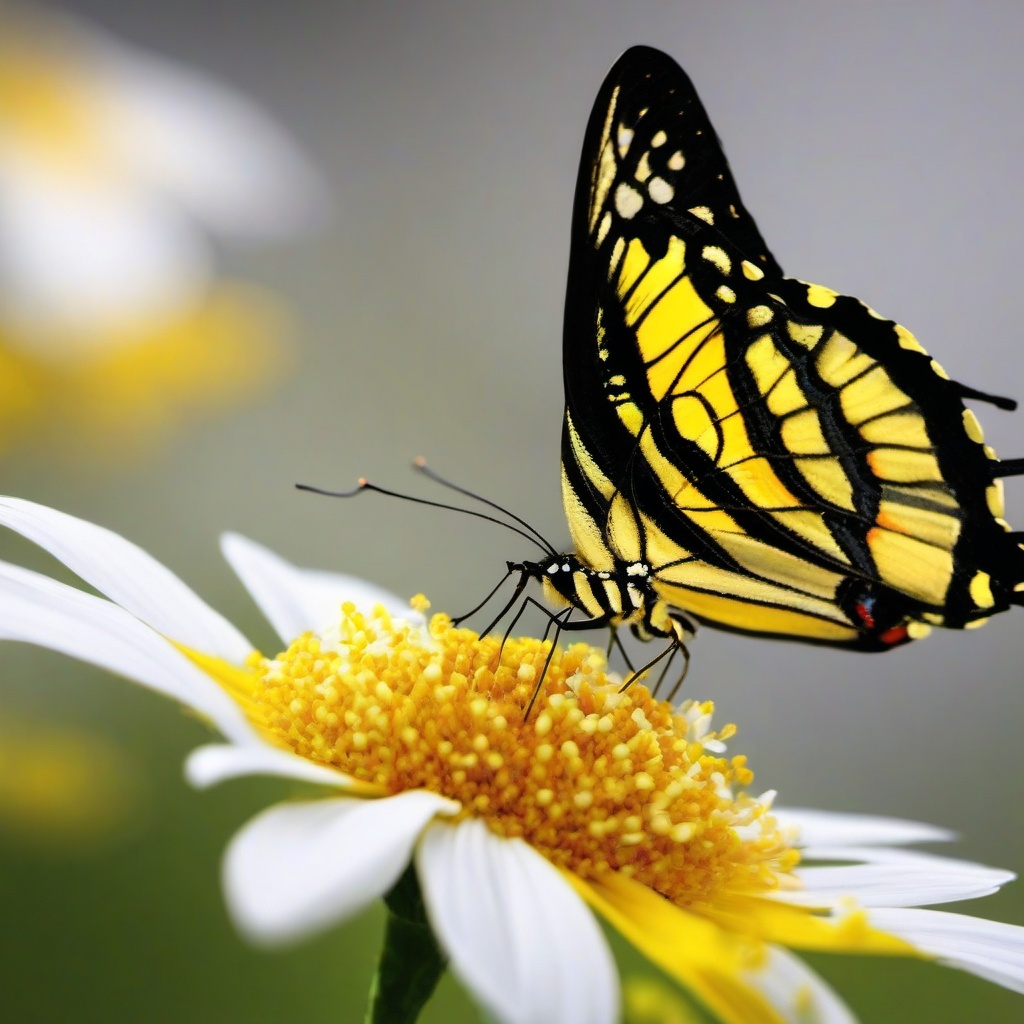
[
  {"x": 613, "y": 597},
  {"x": 763, "y": 454}
]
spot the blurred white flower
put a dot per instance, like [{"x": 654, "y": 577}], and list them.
[
  {"x": 114, "y": 163},
  {"x": 604, "y": 799}
]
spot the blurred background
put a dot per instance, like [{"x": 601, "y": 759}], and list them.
[{"x": 411, "y": 304}]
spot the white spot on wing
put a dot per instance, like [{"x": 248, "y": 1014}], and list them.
[
  {"x": 676, "y": 161},
  {"x": 660, "y": 138},
  {"x": 643, "y": 168},
  {"x": 625, "y": 139},
  {"x": 627, "y": 201},
  {"x": 660, "y": 190},
  {"x": 718, "y": 256}
]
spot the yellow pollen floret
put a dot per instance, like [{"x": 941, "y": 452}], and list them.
[{"x": 596, "y": 779}]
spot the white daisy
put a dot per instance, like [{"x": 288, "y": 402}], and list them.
[
  {"x": 114, "y": 165},
  {"x": 602, "y": 801}
]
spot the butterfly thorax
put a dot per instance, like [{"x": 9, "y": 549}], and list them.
[{"x": 618, "y": 596}]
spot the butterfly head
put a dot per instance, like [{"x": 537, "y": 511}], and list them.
[{"x": 559, "y": 576}]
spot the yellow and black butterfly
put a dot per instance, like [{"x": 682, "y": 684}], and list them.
[{"x": 741, "y": 448}]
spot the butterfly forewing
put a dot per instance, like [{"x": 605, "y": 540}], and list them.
[{"x": 785, "y": 460}]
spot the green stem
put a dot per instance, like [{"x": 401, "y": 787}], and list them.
[{"x": 411, "y": 963}]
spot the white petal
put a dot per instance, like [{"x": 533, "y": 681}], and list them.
[
  {"x": 295, "y": 600},
  {"x": 37, "y": 610},
  {"x": 298, "y": 868},
  {"x": 798, "y": 993},
  {"x": 828, "y": 828},
  {"x": 886, "y": 855},
  {"x": 127, "y": 575},
  {"x": 518, "y": 936},
  {"x": 990, "y": 949},
  {"x": 919, "y": 881},
  {"x": 217, "y": 762},
  {"x": 205, "y": 145}
]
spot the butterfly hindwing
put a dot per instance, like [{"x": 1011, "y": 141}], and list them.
[{"x": 786, "y": 461}]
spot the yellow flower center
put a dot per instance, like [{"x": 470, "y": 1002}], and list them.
[{"x": 597, "y": 779}]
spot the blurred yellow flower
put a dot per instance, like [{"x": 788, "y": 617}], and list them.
[
  {"x": 113, "y": 165},
  {"x": 62, "y": 790}
]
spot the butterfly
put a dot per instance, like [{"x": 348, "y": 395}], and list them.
[{"x": 741, "y": 448}]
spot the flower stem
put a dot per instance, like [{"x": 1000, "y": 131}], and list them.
[{"x": 411, "y": 963}]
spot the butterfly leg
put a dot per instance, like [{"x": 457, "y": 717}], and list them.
[
  {"x": 664, "y": 671},
  {"x": 615, "y": 641},
  {"x": 632, "y": 677},
  {"x": 459, "y": 619},
  {"x": 559, "y": 623},
  {"x": 684, "y": 628},
  {"x": 557, "y": 619},
  {"x": 682, "y": 675},
  {"x": 519, "y": 588}
]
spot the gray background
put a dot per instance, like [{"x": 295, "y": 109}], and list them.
[{"x": 879, "y": 146}]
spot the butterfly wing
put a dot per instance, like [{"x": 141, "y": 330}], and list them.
[{"x": 787, "y": 461}]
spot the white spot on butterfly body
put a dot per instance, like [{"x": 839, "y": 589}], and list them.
[
  {"x": 628, "y": 201},
  {"x": 660, "y": 190}
]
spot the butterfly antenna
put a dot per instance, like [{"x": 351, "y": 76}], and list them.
[
  {"x": 420, "y": 464},
  {"x": 365, "y": 485}
]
